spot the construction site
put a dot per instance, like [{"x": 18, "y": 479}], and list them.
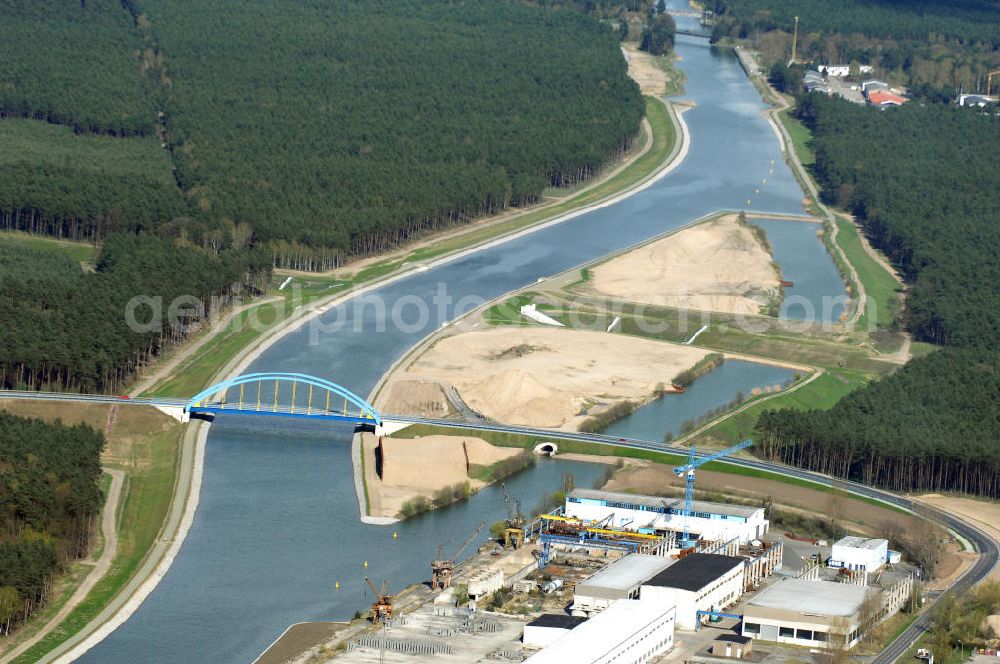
[{"x": 699, "y": 580}]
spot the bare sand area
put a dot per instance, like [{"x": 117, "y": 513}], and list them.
[
  {"x": 415, "y": 397},
  {"x": 413, "y": 467},
  {"x": 983, "y": 514},
  {"x": 547, "y": 377},
  {"x": 642, "y": 67},
  {"x": 718, "y": 265}
]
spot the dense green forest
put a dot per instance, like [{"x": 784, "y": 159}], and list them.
[
  {"x": 923, "y": 182},
  {"x": 935, "y": 46},
  {"x": 200, "y": 143},
  {"x": 49, "y": 498},
  {"x": 330, "y": 129},
  {"x": 56, "y": 182},
  {"x": 75, "y": 63},
  {"x": 65, "y": 329}
]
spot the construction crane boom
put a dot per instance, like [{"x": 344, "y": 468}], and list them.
[
  {"x": 989, "y": 80},
  {"x": 372, "y": 586},
  {"x": 468, "y": 540},
  {"x": 687, "y": 471}
]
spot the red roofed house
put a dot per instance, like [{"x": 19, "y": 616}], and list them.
[{"x": 881, "y": 98}]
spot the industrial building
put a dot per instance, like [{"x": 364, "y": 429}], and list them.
[
  {"x": 619, "y": 580},
  {"x": 807, "y": 613},
  {"x": 696, "y": 583},
  {"x": 629, "y": 631},
  {"x": 859, "y": 554},
  {"x": 653, "y": 514},
  {"x": 547, "y": 628}
]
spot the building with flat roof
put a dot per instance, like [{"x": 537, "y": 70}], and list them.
[
  {"x": 619, "y": 580},
  {"x": 655, "y": 514},
  {"x": 859, "y": 554},
  {"x": 807, "y": 613},
  {"x": 697, "y": 582},
  {"x": 629, "y": 631},
  {"x": 546, "y": 628}
]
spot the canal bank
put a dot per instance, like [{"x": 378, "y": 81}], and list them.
[{"x": 285, "y": 550}]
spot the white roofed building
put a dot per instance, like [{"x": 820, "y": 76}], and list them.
[
  {"x": 629, "y": 631},
  {"x": 654, "y": 514},
  {"x": 619, "y": 580},
  {"x": 859, "y": 553}
]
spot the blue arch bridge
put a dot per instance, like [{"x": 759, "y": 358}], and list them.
[{"x": 279, "y": 394}]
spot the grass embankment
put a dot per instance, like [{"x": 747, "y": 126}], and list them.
[
  {"x": 881, "y": 286},
  {"x": 81, "y": 252},
  {"x": 145, "y": 445},
  {"x": 505, "y": 439},
  {"x": 197, "y": 371},
  {"x": 801, "y": 138},
  {"x": 823, "y": 392}
]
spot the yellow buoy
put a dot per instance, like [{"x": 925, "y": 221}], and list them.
[
  {"x": 337, "y": 585},
  {"x": 366, "y": 564},
  {"x": 394, "y": 534}
]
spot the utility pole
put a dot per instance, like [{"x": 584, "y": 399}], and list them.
[{"x": 795, "y": 39}]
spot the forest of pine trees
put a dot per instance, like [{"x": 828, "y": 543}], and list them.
[
  {"x": 925, "y": 185},
  {"x": 199, "y": 144},
  {"x": 330, "y": 129},
  {"x": 49, "y": 501}
]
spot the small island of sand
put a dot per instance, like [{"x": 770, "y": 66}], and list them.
[{"x": 719, "y": 265}]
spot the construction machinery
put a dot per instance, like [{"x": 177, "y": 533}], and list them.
[
  {"x": 381, "y": 610},
  {"x": 795, "y": 43},
  {"x": 989, "y": 80},
  {"x": 687, "y": 471},
  {"x": 513, "y": 534},
  {"x": 442, "y": 568}
]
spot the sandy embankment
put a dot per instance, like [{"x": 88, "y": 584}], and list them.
[
  {"x": 642, "y": 67},
  {"x": 423, "y": 466},
  {"x": 546, "y": 377},
  {"x": 715, "y": 266}
]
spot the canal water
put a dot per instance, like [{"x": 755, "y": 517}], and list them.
[
  {"x": 717, "y": 388},
  {"x": 277, "y": 523},
  {"x": 818, "y": 291}
]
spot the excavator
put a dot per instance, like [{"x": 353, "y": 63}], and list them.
[
  {"x": 442, "y": 568},
  {"x": 381, "y": 610},
  {"x": 513, "y": 534}
]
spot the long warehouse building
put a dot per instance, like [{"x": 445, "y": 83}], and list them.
[{"x": 655, "y": 514}]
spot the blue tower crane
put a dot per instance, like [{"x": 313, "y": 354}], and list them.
[{"x": 687, "y": 470}]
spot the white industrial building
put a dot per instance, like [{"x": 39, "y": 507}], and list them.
[
  {"x": 619, "y": 580},
  {"x": 547, "y": 628},
  {"x": 653, "y": 514},
  {"x": 859, "y": 554},
  {"x": 697, "y": 582},
  {"x": 806, "y": 613},
  {"x": 629, "y": 631},
  {"x": 840, "y": 71}
]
